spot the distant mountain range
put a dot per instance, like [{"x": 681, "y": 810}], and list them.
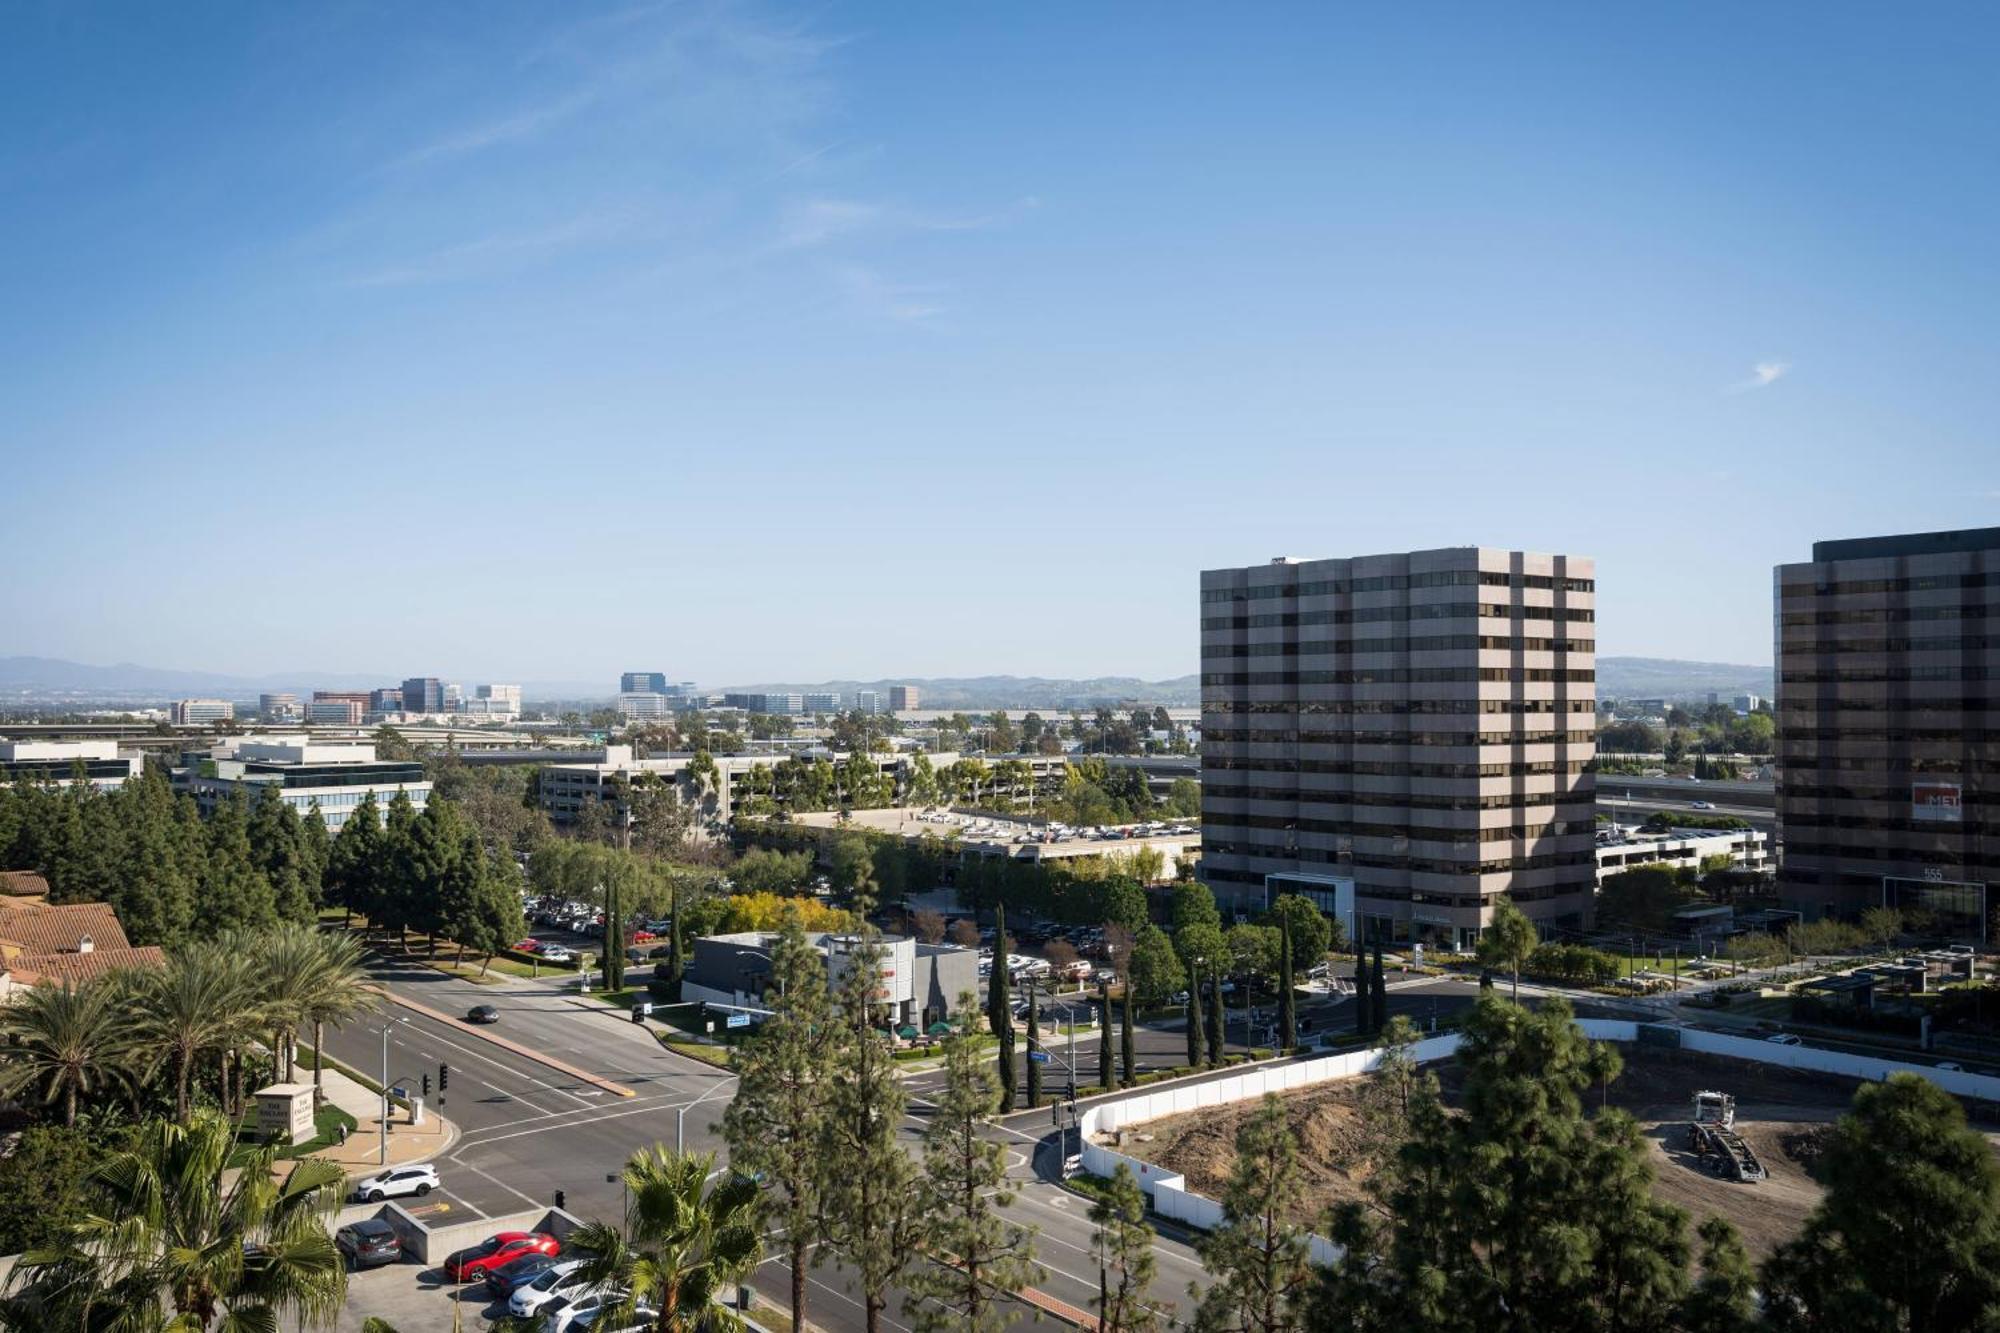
[
  {"x": 53, "y": 679},
  {"x": 1667, "y": 678}
]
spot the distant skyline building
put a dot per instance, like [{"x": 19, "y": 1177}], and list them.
[
  {"x": 1402, "y": 738},
  {"x": 868, "y": 702},
  {"x": 784, "y": 705},
  {"x": 1889, "y": 786},
  {"x": 278, "y": 707},
  {"x": 824, "y": 701},
  {"x": 102, "y": 763},
  {"x": 389, "y": 699},
  {"x": 903, "y": 698},
  {"x": 201, "y": 712},
  {"x": 423, "y": 694},
  {"x": 640, "y": 705},
  {"x": 331, "y": 777},
  {"x": 643, "y": 682},
  {"x": 344, "y": 711}
]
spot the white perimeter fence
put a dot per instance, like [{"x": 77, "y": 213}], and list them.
[{"x": 1172, "y": 1198}]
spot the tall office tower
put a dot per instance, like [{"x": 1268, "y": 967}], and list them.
[
  {"x": 1888, "y": 730},
  {"x": 902, "y": 698},
  {"x": 423, "y": 694},
  {"x": 386, "y": 700},
  {"x": 1401, "y": 738},
  {"x": 643, "y": 682}
]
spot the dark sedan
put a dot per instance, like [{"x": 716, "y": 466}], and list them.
[
  {"x": 368, "y": 1244},
  {"x": 482, "y": 1013},
  {"x": 503, "y": 1281}
]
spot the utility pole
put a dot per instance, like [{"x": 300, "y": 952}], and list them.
[{"x": 382, "y": 1156}]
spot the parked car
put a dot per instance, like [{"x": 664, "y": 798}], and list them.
[
  {"x": 495, "y": 1251},
  {"x": 396, "y": 1182},
  {"x": 510, "y": 1277},
  {"x": 1950, "y": 1066},
  {"x": 558, "y": 1282},
  {"x": 529, "y": 945},
  {"x": 582, "y": 1312},
  {"x": 556, "y": 953},
  {"x": 482, "y": 1013},
  {"x": 1782, "y": 1039},
  {"x": 1701, "y": 805},
  {"x": 369, "y": 1243}
]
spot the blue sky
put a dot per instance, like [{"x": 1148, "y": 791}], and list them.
[{"x": 759, "y": 342}]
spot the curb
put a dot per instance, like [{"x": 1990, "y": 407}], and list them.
[{"x": 526, "y": 1052}]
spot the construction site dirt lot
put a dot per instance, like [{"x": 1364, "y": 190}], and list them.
[{"x": 1781, "y": 1113}]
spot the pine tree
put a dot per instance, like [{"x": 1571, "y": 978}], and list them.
[
  {"x": 777, "y": 1123},
  {"x": 1257, "y": 1257},
  {"x": 1125, "y": 1252},
  {"x": 1561, "y": 1231},
  {"x": 156, "y": 880},
  {"x": 278, "y": 846},
  {"x": 1724, "y": 1298},
  {"x": 1288, "y": 1012},
  {"x": 391, "y": 895},
  {"x": 353, "y": 859},
  {"x": 1218, "y": 1032},
  {"x": 1193, "y": 1015},
  {"x": 430, "y": 865},
  {"x": 980, "y": 1258},
  {"x": 1034, "y": 1045},
  {"x": 318, "y": 849},
  {"x": 234, "y": 893},
  {"x": 873, "y": 1216},
  {"x": 1908, "y": 1234}
]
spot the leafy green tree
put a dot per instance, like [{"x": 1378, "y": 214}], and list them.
[
  {"x": 1644, "y": 897},
  {"x": 66, "y": 1042},
  {"x": 1908, "y": 1234},
  {"x": 1156, "y": 968},
  {"x": 1184, "y": 799},
  {"x": 1724, "y": 1297},
  {"x": 166, "y": 1229},
  {"x": 1191, "y": 903},
  {"x": 1561, "y": 1230},
  {"x": 1125, "y": 1244},
  {"x": 41, "y": 1183},
  {"x": 356, "y": 860},
  {"x": 1257, "y": 1257},
  {"x": 980, "y": 1259},
  {"x": 1124, "y": 904},
  {"x": 853, "y": 866},
  {"x": 776, "y": 1124},
  {"x": 873, "y": 1216},
  {"x": 159, "y": 865},
  {"x": 1253, "y": 950},
  {"x": 395, "y": 902},
  {"x": 1288, "y": 1010},
  {"x": 1507, "y": 941},
  {"x": 686, "y": 1240},
  {"x": 1312, "y": 932}
]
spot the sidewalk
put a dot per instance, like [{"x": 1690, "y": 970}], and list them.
[{"x": 361, "y": 1154}]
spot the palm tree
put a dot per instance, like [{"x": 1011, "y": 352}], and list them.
[
  {"x": 289, "y": 959},
  {"x": 161, "y": 1226},
  {"x": 66, "y": 1041},
  {"x": 688, "y": 1243},
  {"x": 193, "y": 1007},
  {"x": 234, "y": 956},
  {"x": 338, "y": 990}
]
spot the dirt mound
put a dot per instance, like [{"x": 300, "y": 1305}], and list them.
[{"x": 1807, "y": 1146}]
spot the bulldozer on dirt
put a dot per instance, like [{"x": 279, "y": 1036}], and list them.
[{"x": 1712, "y": 1138}]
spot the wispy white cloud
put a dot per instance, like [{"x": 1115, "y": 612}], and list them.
[
  {"x": 813, "y": 222},
  {"x": 876, "y": 295},
  {"x": 1762, "y": 376},
  {"x": 498, "y": 250},
  {"x": 514, "y": 127}
]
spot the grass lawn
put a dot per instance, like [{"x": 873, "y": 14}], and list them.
[
  {"x": 708, "y": 1055},
  {"x": 327, "y": 1124}
]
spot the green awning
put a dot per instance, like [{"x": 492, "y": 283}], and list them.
[
  {"x": 940, "y": 1029},
  {"x": 907, "y": 1032}
]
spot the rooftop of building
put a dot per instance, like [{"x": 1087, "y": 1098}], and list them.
[
  {"x": 73, "y": 969},
  {"x": 39, "y": 928},
  {"x": 1952, "y": 542}
]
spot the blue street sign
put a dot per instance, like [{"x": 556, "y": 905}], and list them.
[
  {"x": 1039, "y": 1057},
  {"x": 739, "y": 1020}
]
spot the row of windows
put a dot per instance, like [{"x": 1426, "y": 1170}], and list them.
[
  {"x": 1417, "y": 643},
  {"x": 1899, "y": 795},
  {"x": 1376, "y": 707},
  {"x": 1807, "y": 761},
  {"x": 1865, "y": 849},
  {"x": 1920, "y": 583},
  {"x": 1864, "y": 675},
  {"x": 1366, "y": 768},
  {"x": 1448, "y": 578},
  {"x": 1944, "y": 643},
  {"x": 1393, "y": 861},
  {"x": 1397, "y": 676},
  {"x": 1889, "y": 615},
  {"x": 1892, "y": 736},
  {"x": 1460, "y": 837},
  {"x": 1820, "y": 704},
  {"x": 1427, "y": 738},
  {"x": 1310, "y": 796}
]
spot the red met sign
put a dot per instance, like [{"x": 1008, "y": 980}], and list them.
[{"x": 1939, "y": 802}]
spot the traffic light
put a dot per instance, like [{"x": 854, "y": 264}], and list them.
[
  {"x": 560, "y": 1200},
  {"x": 444, "y": 1077},
  {"x": 427, "y": 1085}
]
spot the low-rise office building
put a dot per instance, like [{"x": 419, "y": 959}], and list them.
[
  {"x": 1626, "y": 849},
  {"x": 346, "y": 712},
  {"x": 333, "y": 778},
  {"x": 565, "y": 788},
  {"x": 920, "y": 983},
  {"x": 642, "y": 705},
  {"x": 868, "y": 702},
  {"x": 825, "y": 701},
  {"x": 279, "y": 707},
  {"x": 201, "y": 712},
  {"x": 101, "y": 763},
  {"x": 784, "y": 705}
]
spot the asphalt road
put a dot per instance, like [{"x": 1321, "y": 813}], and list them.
[{"x": 527, "y": 1130}]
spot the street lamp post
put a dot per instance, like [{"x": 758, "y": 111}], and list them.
[{"x": 680, "y": 1116}]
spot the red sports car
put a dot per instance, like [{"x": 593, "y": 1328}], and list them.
[
  {"x": 491, "y": 1253},
  {"x": 529, "y": 945}
]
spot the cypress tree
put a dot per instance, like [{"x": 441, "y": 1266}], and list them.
[
  {"x": 1218, "y": 1035},
  {"x": 1107, "y": 1073},
  {"x": 1034, "y": 1044},
  {"x": 998, "y": 1015},
  {"x": 1378, "y": 1007},
  {"x": 1364, "y": 994},
  {"x": 318, "y": 850},
  {"x": 1127, "y": 1056},
  {"x": 278, "y": 846},
  {"x": 1193, "y": 1015},
  {"x": 352, "y": 859},
  {"x": 234, "y": 892},
  {"x": 1004, "y": 1060},
  {"x": 1288, "y": 1012}
]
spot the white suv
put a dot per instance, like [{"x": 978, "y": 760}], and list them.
[
  {"x": 400, "y": 1180},
  {"x": 559, "y": 1283}
]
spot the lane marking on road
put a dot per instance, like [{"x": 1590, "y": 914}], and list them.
[
  {"x": 526, "y": 1052},
  {"x": 540, "y": 1083},
  {"x": 613, "y": 1115},
  {"x": 530, "y": 1200}
]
